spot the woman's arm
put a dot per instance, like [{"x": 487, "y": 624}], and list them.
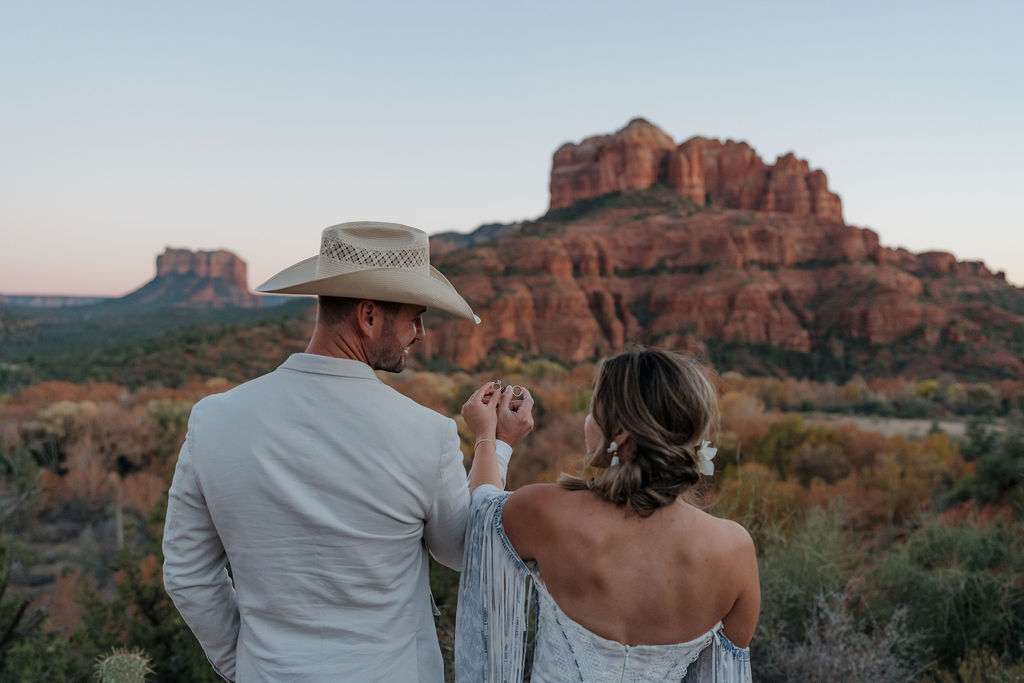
[
  {"x": 485, "y": 412},
  {"x": 740, "y": 622},
  {"x": 481, "y": 413}
]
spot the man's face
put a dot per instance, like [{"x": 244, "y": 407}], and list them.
[{"x": 398, "y": 333}]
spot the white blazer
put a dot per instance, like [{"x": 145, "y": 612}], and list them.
[{"x": 319, "y": 485}]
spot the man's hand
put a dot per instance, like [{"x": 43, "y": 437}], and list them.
[{"x": 515, "y": 420}]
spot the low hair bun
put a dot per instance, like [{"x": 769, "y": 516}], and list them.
[{"x": 667, "y": 405}]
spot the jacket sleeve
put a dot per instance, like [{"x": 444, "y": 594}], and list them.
[
  {"x": 195, "y": 566},
  {"x": 445, "y": 526}
]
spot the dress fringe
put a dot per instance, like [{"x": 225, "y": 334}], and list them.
[{"x": 495, "y": 593}]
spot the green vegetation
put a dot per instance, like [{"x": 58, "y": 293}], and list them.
[
  {"x": 998, "y": 476},
  {"x": 165, "y": 348},
  {"x": 657, "y": 199},
  {"x": 961, "y": 587},
  {"x": 23, "y": 637},
  {"x": 762, "y": 359},
  {"x": 881, "y": 557}
]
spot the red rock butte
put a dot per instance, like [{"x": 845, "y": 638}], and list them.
[
  {"x": 214, "y": 264},
  {"x": 204, "y": 279},
  {"x": 708, "y": 172},
  {"x": 704, "y": 247}
]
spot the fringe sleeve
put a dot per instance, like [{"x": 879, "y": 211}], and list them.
[
  {"x": 720, "y": 662},
  {"x": 495, "y": 590},
  {"x": 733, "y": 663}
]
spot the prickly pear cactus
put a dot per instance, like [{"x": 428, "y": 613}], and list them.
[{"x": 123, "y": 666}]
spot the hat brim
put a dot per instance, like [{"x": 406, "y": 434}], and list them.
[{"x": 384, "y": 284}]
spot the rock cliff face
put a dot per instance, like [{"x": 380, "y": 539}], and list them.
[
  {"x": 652, "y": 268},
  {"x": 218, "y": 264},
  {"x": 201, "y": 279},
  {"x": 707, "y": 172}
]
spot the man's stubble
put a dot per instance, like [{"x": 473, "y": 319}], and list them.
[{"x": 390, "y": 355}]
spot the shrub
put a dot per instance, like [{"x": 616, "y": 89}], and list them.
[
  {"x": 27, "y": 651},
  {"x": 779, "y": 447},
  {"x": 796, "y": 567},
  {"x": 757, "y": 499},
  {"x": 983, "y": 667},
  {"x": 998, "y": 476},
  {"x": 838, "y": 648},
  {"x": 141, "y": 613},
  {"x": 1000, "y": 471},
  {"x": 963, "y": 586}
]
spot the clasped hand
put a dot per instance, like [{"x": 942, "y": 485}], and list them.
[{"x": 496, "y": 414}]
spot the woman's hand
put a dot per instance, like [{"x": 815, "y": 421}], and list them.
[
  {"x": 481, "y": 412},
  {"x": 515, "y": 415}
]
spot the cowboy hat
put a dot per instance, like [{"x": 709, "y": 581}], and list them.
[{"x": 370, "y": 260}]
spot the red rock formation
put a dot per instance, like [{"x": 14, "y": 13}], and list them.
[
  {"x": 587, "y": 287},
  {"x": 944, "y": 263},
  {"x": 628, "y": 160},
  {"x": 205, "y": 279},
  {"x": 759, "y": 256},
  {"x": 705, "y": 171},
  {"x": 218, "y": 264}
]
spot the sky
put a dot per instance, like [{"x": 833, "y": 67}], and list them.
[{"x": 127, "y": 127}]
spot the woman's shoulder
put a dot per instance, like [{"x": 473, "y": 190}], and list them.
[
  {"x": 727, "y": 535},
  {"x": 550, "y": 500},
  {"x": 534, "y": 500},
  {"x": 537, "y": 516},
  {"x": 536, "y": 493}
]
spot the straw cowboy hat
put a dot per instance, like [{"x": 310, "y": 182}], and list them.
[{"x": 369, "y": 260}]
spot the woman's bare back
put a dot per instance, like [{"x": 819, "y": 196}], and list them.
[{"x": 663, "y": 579}]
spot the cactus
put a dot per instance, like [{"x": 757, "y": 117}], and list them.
[{"x": 123, "y": 666}]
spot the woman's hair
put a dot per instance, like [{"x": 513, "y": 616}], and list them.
[{"x": 667, "y": 405}]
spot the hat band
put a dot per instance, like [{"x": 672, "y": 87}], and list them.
[{"x": 351, "y": 257}]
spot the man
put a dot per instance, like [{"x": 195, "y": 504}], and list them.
[{"x": 322, "y": 487}]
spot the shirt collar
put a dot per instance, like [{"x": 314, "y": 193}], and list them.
[{"x": 328, "y": 365}]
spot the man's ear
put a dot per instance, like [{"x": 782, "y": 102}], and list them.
[{"x": 367, "y": 318}]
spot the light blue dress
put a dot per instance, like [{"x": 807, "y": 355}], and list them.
[{"x": 495, "y": 593}]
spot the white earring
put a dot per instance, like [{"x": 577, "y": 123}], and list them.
[{"x": 612, "y": 447}]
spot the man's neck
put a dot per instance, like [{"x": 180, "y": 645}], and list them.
[{"x": 334, "y": 342}]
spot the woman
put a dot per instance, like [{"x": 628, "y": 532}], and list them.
[{"x": 632, "y": 582}]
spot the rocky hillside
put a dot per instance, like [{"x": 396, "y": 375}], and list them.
[{"x": 791, "y": 287}]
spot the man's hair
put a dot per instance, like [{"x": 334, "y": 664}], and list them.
[
  {"x": 667, "y": 405},
  {"x": 332, "y": 310}
]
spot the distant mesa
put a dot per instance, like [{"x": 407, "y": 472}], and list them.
[
  {"x": 708, "y": 172},
  {"x": 184, "y": 279},
  {"x": 196, "y": 279}
]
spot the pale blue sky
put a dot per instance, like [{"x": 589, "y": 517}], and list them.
[{"x": 129, "y": 126}]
